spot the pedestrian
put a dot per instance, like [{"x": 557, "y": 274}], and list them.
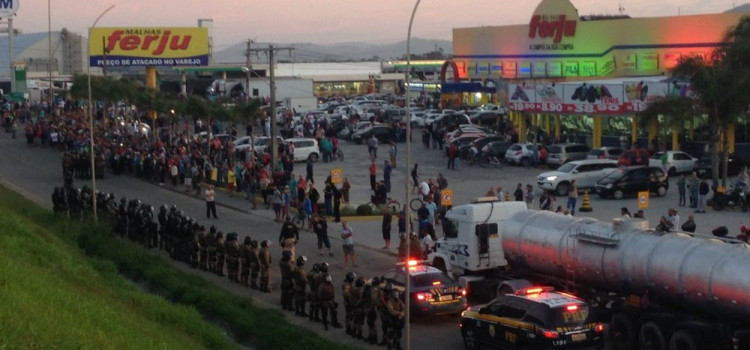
[
  {"x": 703, "y": 191},
  {"x": 345, "y": 187},
  {"x": 396, "y": 310},
  {"x": 328, "y": 198},
  {"x": 372, "y": 147},
  {"x": 673, "y": 219},
  {"x": 681, "y": 187},
  {"x": 309, "y": 177},
  {"x": 286, "y": 269},
  {"x": 518, "y": 193},
  {"x": 386, "y": 227},
  {"x": 415, "y": 178},
  {"x": 452, "y": 151},
  {"x": 689, "y": 225},
  {"x": 545, "y": 200},
  {"x": 572, "y": 197},
  {"x": 300, "y": 287},
  {"x": 325, "y": 296},
  {"x": 625, "y": 213},
  {"x": 308, "y": 209},
  {"x": 392, "y": 153},
  {"x": 278, "y": 200},
  {"x": 286, "y": 203},
  {"x": 693, "y": 185},
  {"x": 265, "y": 266},
  {"x": 336, "y": 203},
  {"x": 320, "y": 228},
  {"x": 387, "y": 175},
  {"x": 373, "y": 174},
  {"x": 289, "y": 236},
  {"x": 498, "y": 193},
  {"x": 431, "y": 210},
  {"x": 529, "y": 196},
  {"x": 639, "y": 215},
  {"x": 663, "y": 225},
  {"x": 211, "y": 202},
  {"x": 347, "y": 235}
]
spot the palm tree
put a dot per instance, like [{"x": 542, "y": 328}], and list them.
[{"x": 722, "y": 86}]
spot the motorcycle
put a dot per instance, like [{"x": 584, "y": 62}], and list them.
[{"x": 731, "y": 198}]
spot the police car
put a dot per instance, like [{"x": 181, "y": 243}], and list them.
[
  {"x": 531, "y": 318},
  {"x": 432, "y": 291}
]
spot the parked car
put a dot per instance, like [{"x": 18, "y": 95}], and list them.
[
  {"x": 677, "y": 162},
  {"x": 382, "y": 132},
  {"x": 486, "y": 118},
  {"x": 735, "y": 164},
  {"x": 561, "y": 153},
  {"x": 520, "y": 153},
  {"x": 464, "y": 144},
  {"x": 585, "y": 172},
  {"x": 629, "y": 181},
  {"x": 605, "y": 153},
  {"x": 498, "y": 148},
  {"x": 432, "y": 291},
  {"x": 632, "y": 157},
  {"x": 304, "y": 149}
]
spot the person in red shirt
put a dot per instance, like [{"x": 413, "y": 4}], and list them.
[{"x": 452, "y": 150}]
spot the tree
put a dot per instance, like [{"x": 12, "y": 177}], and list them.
[
  {"x": 722, "y": 86},
  {"x": 675, "y": 110}
]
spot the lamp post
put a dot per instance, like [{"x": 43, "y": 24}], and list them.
[
  {"x": 92, "y": 152},
  {"x": 407, "y": 208}
]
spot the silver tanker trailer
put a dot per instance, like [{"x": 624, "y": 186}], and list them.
[{"x": 657, "y": 291}]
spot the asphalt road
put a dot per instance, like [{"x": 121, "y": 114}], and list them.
[{"x": 34, "y": 172}]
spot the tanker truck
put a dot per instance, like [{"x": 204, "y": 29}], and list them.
[{"x": 671, "y": 291}]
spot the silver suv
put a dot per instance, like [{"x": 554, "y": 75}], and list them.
[
  {"x": 561, "y": 153},
  {"x": 585, "y": 172}
]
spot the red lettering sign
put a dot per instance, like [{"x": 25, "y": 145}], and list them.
[
  {"x": 143, "y": 42},
  {"x": 551, "y": 29}
]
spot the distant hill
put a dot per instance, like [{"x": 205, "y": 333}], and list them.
[{"x": 308, "y": 52}]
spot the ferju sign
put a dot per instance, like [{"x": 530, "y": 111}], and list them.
[{"x": 128, "y": 47}]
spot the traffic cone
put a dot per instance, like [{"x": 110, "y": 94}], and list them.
[
  {"x": 507, "y": 197},
  {"x": 586, "y": 204}
]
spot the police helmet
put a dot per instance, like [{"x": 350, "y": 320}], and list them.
[
  {"x": 286, "y": 255},
  {"x": 212, "y": 229},
  {"x": 123, "y": 200},
  {"x": 389, "y": 287},
  {"x": 163, "y": 208},
  {"x": 329, "y": 279},
  {"x": 220, "y": 235},
  {"x": 394, "y": 294},
  {"x": 265, "y": 243},
  {"x": 375, "y": 281},
  {"x": 350, "y": 276},
  {"x": 360, "y": 282},
  {"x": 316, "y": 267},
  {"x": 301, "y": 260},
  {"x": 247, "y": 240},
  {"x": 112, "y": 195},
  {"x": 254, "y": 244},
  {"x": 173, "y": 208},
  {"x": 324, "y": 267}
]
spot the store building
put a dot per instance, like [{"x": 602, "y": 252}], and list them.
[{"x": 567, "y": 73}]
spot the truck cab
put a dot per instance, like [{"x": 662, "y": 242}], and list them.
[{"x": 472, "y": 241}]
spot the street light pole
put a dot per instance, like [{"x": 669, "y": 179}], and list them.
[
  {"x": 407, "y": 208},
  {"x": 92, "y": 152}
]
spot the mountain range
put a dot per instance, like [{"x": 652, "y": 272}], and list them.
[{"x": 341, "y": 52}]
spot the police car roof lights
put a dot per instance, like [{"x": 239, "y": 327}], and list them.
[{"x": 533, "y": 291}]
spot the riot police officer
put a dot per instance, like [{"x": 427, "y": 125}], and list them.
[
  {"x": 286, "y": 265},
  {"x": 300, "y": 287},
  {"x": 232, "y": 250},
  {"x": 313, "y": 278},
  {"x": 245, "y": 261},
  {"x": 211, "y": 248},
  {"x": 220, "y": 254},
  {"x": 346, "y": 288},
  {"x": 265, "y": 266},
  {"x": 203, "y": 249},
  {"x": 372, "y": 296},
  {"x": 254, "y": 262},
  {"x": 356, "y": 301},
  {"x": 397, "y": 311},
  {"x": 326, "y": 295}
]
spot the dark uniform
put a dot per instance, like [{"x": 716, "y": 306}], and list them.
[
  {"x": 326, "y": 295},
  {"x": 300, "y": 287},
  {"x": 203, "y": 250},
  {"x": 357, "y": 304},
  {"x": 346, "y": 289},
  {"x": 286, "y": 265},
  {"x": 232, "y": 251},
  {"x": 265, "y": 266},
  {"x": 220, "y": 254},
  {"x": 314, "y": 279},
  {"x": 211, "y": 249},
  {"x": 396, "y": 311},
  {"x": 372, "y": 298},
  {"x": 254, "y": 262},
  {"x": 245, "y": 261}
]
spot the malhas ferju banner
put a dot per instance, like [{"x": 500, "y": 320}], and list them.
[{"x": 142, "y": 47}]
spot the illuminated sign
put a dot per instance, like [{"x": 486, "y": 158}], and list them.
[
  {"x": 551, "y": 26},
  {"x": 157, "y": 46}
]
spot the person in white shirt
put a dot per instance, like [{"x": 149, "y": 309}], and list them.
[
  {"x": 424, "y": 189},
  {"x": 673, "y": 220},
  {"x": 427, "y": 245}
]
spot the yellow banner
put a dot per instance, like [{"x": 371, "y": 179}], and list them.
[{"x": 148, "y": 46}]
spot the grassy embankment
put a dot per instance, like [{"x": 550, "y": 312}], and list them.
[{"x": 60, "y": 287}]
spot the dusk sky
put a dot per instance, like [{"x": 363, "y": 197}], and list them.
[{"x": 325, "y": 21}]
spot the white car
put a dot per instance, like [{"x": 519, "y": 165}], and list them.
[
  {"x": 305, "y": 148},
  {"x": 585, "y": 172},
  {"x": 677, "y": 162},
  {"x": 520, "y": 153}
]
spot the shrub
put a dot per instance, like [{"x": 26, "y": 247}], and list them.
[{"x": 364, "y": 209}]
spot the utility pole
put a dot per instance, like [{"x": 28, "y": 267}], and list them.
[
  {"x": 270, "y": 51},
  {"x": 249, "y": 66}
]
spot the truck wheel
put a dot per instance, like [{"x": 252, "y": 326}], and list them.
[
  {"x": 313, "y": 157},
  {"x": 439, "y": 264},
  {"x": 651, "y": 337},
  {"x": 618, "y": 195},
  {"x": 682, "y": 340},
  {"x": 562, "y": 189},
  {"x": 470, "y": 340},
  {"x": 661, "y": 191},
  {"x": 623, "y": 333}
]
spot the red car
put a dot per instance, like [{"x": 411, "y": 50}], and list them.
[{"x": 631, "y": 157}]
